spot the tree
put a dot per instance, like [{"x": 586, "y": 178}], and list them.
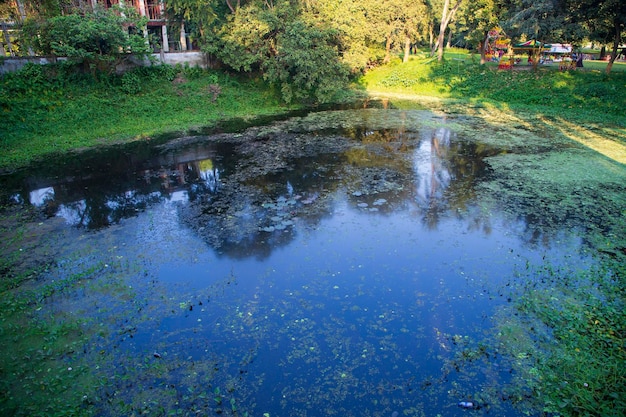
[
  {"x": 301, "y": 58},
  {"x": 360, "y": 35},
  {"x": 447, "y": 15},
  {"x": 396, "y": 23},
  {"x": 97, "y": 41},
  {"x": 539, "y": 20},
  {"x": 479, "y": 17},
  {"x": 605, "y": 21},
  {"x": 306, "y": 63},
  {"x": 203, "y": 13}
]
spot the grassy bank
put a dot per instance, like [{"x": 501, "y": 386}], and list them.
[
  {"x": 47, "y": 111},
  {"x": 582, "y": 96},
  {"x": 50, "y": 109}
]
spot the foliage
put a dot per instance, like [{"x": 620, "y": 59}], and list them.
[
  {"x": 97, "y": 41},
  {"x": 301, "y": 60},
  {"x": 604, "y": 20},
  {"x": 529, "y": 19},
  {"x": 243, "y": 41},
  {"x": 476, "y": 20},
  {"x": 356, "y": 26},
  {"x": 131, "y": 83},
  {"x": 306, "y": 64}
]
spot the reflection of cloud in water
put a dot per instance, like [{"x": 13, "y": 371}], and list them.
[
  {"x": 179, "y": 196},
  {"x": 41, "y": 196},
  {"x": 75, "y": 213},
  {"x": 429, "y": 164},
  {"x": 208, "y": 173}
]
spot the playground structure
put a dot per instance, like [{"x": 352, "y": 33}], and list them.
[
  {"x": 498, "y": 48},
  {"x": 497, "y": 45}
]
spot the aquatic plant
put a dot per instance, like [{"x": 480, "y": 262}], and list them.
[{"x": 567, "y": 340}]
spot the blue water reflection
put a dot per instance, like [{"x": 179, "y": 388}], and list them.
[
  {"x": 308, "y": 273},
  {"x": 362, "y": 314}
]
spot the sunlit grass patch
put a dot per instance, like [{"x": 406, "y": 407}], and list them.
[
  {"x": 585, "y": 96},
  {"x": 613, "y": 149}
]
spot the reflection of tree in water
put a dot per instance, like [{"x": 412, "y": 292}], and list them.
[
  {"x": 447, "y": 171},
  {"x": 230, "y": 186},
  {"x": 252, "y": 215},
  {"x": 431, "y": 166},
  {"x": 111, "y": 186}
]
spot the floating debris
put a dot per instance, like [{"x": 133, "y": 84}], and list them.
[
  {"x": 310, "y": 199},
  {"x": 467, "y": 404},
  {"x": 379, "y": 202}
]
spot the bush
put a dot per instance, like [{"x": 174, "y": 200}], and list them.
[
  {"x": 131, "y": 83},
  {"x": 158, "y": 72},
  {"x": 192, "y": 73},
  {"x": 97, "y": 41}
]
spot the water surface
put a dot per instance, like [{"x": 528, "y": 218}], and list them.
[{"x": 346, "y": 262}]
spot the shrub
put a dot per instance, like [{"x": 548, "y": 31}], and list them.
[
  {"x": 97, "y": 41},
  {"x": 131, "y": 83}
]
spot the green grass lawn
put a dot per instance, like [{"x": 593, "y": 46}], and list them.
[
  {"x": 43, "y": 116},
  {"x": 587, "y": 95}
]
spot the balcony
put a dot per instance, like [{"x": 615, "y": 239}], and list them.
[{"x": 154, "y": 11}]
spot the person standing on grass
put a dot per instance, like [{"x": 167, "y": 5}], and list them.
[{"x": 579, "y": 60}]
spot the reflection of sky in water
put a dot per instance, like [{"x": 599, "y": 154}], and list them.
[
  {"x": 350, "y": 315},
  {"x": 429, "y": 164},
  {"x": 179, "y": 196},
  {"x": 75, "y": 214},
  {"x": 350, "y": 309},
  {"x": 40, "y": 196}
]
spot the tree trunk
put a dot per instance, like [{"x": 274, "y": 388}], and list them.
[
  {"x": 183, "y": 37},
  {"x": 407, "y": 49},
  {"x": 21, "y": 10},
  {"x": 431, "y": 35},
  {"x": 616, "y": 40},
  {"x": 483, "y": 49},
  {"x": 387, "y": 50},
  {"x": 442, "y": 30},
  {"x": 7, "y": 38},
  {"x": 446, "y": 17}
]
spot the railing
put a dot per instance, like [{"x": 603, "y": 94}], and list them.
[{"x": 154, "y": 11}]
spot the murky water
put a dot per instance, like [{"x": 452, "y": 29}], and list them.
[{"x": 341, "y": 263}]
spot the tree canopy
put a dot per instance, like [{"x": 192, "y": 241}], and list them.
[
  {"x": 99, "y": 40},
  {"x": 309, "y": 48}
]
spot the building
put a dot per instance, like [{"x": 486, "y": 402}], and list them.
[
  {"x": 168, "y": 39},
  {"x": 164, "y": 36},
  {"x": 154, "y": 10}
]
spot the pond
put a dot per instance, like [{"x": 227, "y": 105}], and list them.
[{"x": 343, "y": 262}]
